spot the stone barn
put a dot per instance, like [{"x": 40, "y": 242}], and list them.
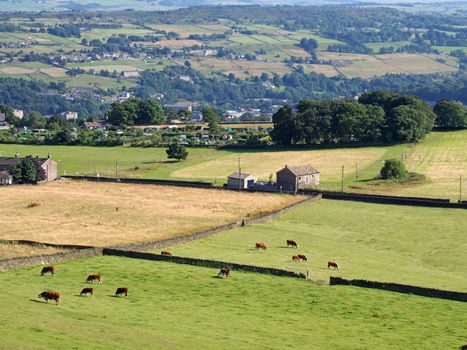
[
  {"x": 297, "y": 177},
  {"x": 240, "y": 180}
]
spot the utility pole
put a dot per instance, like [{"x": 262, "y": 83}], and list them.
[
  {"x": 460, "y": 188},
  {"x": 116, "y": 169},
  {"x": 356, "y": 172},
  {"x": 95, "y": 167},
  {"x": 342, "y": 179},
  {"x": 239, "y": 175}
]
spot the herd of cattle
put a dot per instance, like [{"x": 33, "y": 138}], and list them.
[
  {"x": 224, "y": 272},
  {"x": 298, "y": 257},
  {"x": 53, "y": 295}
]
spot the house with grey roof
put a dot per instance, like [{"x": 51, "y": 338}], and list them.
[
  {"x": 240, "y": 180},
  {"x": 3, "y": 123},
  {"x": 297, "y": 177},
  {"x": 7, "y": 163}
]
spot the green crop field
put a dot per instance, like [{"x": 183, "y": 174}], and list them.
[
  {"x": 174, "y": 306},
  {"x": 410, "y": 245},
  {"x": 441, "y": 157}
]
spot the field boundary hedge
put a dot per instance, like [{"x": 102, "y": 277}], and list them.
[
  {"x": 401, "y": 288},
  {"x": 202, "y": 262}
]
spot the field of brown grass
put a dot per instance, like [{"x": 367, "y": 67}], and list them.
[
  {"x": 101, "y": 214},
  {"x": 178, "y": 44},
  {"x": 8, "y": 251}
]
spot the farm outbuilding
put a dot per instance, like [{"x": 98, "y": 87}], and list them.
[
  {"x": 297, "y": 177},
  {"x": 7, "y": 163},
  {"x": 240, "y": 180}
]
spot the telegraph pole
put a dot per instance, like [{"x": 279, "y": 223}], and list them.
[
  {"x": 95, "y": 167},
  {"x": 116, "y": 169},
  {"x": 239, "y": 175},
  {"x": 342, "y": 179},
  {"x": 460, "y": 188},
  {"x": 356, "y": 172}
]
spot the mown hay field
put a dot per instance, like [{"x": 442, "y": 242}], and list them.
[
  {"x": 174, "y": 306},
  {"x": 387, "y": 243},
  {"x": 103, "y": 214}
]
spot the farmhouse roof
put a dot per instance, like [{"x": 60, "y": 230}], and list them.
[
  {"x": 301, "y": 169},
  {"x": 239, "y": 176},
  {"x": 6, "y": 163}
]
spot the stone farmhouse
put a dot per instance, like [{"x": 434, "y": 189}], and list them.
[
  {"x": 297, "y": 177},
  {"x": 7, "y": 163}
]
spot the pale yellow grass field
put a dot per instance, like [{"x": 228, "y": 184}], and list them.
[
  {"x": 177, "y": 44},
  {"x": 111, "y": 68},
  {"x": 17, "y": 70},
  {"x": 297, "y": 52},
  {"x": 412, "y": 63},
  {"x": 54, "y": 72},
  {"x": 442, "y": 157},
  {"x": 101, "y": 214},
  {"x": 326, "y": 69},
  {"x": 8, "y": 251},
  {"x": 262, "y": 164},
  {"x": 186, "y": 29}
]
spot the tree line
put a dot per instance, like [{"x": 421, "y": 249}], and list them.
[{"x": 379, "y": 116}]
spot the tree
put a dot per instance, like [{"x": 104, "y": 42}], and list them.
[
  {"x": 213, "y": 118},
  {"x": 177, "y": 151},
  {"x": 285, "y": 129},
  {"x": 26, "y": 172},
  {"x": 450, "y": 114},
  {"x": 35, "y": 121},
  {"x": 393, "y": 169}
]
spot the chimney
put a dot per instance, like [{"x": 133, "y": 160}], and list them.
[
  {"x": 16, "y": 155},
  {"x": 49, "y": 156}
]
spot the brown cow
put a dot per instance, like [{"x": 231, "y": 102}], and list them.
[
  {"x": 50, "y": 295},
  {"x": 166, "y": 253},
  {"x": 302, "y": 257},
  {"x": 92, "y": 278},
  {"x": 48, "y": 269},
  {"x": 87, "y": 291},
  {"x": 224, "y": 272},
  {"x": 121, "y": 291},
  {"x": 333, "y": 264},
  {"x": 261, "y": 245},
  {"x": 292, "y": 243},
  {"x": 295, "y": 258}
]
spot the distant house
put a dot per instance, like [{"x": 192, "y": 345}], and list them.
[
  {"x": 18, "y": 113},
  {"x": 240, "y": 180},
  {"x": 3, "y": 122},
  {"x": 180, "y": 107},
  {"x": 297, "y": 177},
  {"x": 94, "y": 125},
  {"x": 7, "y": 163},
  {"x": 70, "y": 115},
  {"x": 128, "y": 74}
]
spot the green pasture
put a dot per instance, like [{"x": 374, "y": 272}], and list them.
[
  {"x": 449, "y": 49},
  {"x": 379, "y": 45},
  {"x": 388, "y": 243},
  {"x": 184, "y": 307}
]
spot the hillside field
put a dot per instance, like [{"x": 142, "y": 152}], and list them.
[
  {"x": 440, "y": 156},
  {"x": 103, "y": 214},
  {"x": 184, "y": 307},
  {"x": 388, "y": 243}
]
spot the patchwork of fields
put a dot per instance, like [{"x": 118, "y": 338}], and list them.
[
  {"x": 441, "y": 157},
  {"x": 179, "y": 307}
]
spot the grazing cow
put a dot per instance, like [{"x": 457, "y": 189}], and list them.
[
  {"x": 166, "y": 253},
  {"x": 224, "y": 272},
  {"x": 261, "y": 245},
  {"x": 87, "y": 291},
  {"x": 333, "y": 264},
  {"x": 48, "y": 269},
  {"x": 122, "y": 290},
  {"x": 92, "y": 278},
  {"x": 50, "y": 295},
  {"x": 302, "y": 257},
  {"x": 292, "y": 243},
  {"x": 296, "y": 258}
]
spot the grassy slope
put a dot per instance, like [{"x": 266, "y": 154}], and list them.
[
  {"x": 183, "y": 307},
  {"x": 419, "y": 246}
]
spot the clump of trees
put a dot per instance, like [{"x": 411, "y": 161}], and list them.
[
  {"x": 450, "y": 115},
  {"x": 136, "y": 112},
  {"x": 379, "y": 116},
  {"x": 393, "y": 169}
]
